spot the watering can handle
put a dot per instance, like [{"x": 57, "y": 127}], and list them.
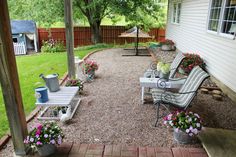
[
  {"x": 56, "y": 74},
  {"x": 41, "y": 75}
]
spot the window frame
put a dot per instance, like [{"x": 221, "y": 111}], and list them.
[
  {"x": 175, "y": 15},
  {"x": 221, "y": 20}
]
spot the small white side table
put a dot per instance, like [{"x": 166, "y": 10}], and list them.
[
  {"x": 61, "y": 98},
  {"x": 153, "y": 83}
]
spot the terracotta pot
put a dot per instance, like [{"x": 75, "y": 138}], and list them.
[{"x": 46, "y": 150}]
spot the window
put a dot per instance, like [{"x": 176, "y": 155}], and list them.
[
  {"x": 15, "y": 40},
  {"x": 222, "y": 16},
  {"x": 176, "y": 12}
]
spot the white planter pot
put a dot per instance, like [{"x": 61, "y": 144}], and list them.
[
  {"x": 166, "y": 47},
  {"x": 183, "y": 138},
  {"x": 46, "y": 150}
]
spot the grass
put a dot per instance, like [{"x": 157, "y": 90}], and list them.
[{"x": 29, "y": 69}]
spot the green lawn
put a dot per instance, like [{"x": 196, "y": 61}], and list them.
[{"x": 29, "y": 68}]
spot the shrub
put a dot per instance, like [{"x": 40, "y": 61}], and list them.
[
  {"x": 53, "y": 46},
  {"x": 190, "y": 61}
]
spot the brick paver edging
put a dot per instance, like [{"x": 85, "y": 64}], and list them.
[{"x": 99, "y": 150}]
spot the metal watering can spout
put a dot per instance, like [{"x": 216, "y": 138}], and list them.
[{"x": 42, "y": 76}]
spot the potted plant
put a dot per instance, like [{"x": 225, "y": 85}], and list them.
[
  {"x": 165, "y": 71},
  {"x": 158, "y": 68},
  {"x": 44, "y": 138},
  {"x": 167, "y": 45},
  {"x": 186, "y": 125},
  {"x": 89, "y": 68},
  {"x": 74, "y": 83},
  {"x": 189, "y": 62}
]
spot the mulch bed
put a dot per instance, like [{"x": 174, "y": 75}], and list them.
[{"x": 111, "y": 111}]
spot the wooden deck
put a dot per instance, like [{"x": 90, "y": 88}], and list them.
[{"x": 96, "y": 150}]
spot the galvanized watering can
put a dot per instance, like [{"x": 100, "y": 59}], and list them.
[{"x": 51, "y": 82}]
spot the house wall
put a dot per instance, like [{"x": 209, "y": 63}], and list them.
[{"x": 191, "y": 35}]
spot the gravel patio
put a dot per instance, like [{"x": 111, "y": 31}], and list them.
[{"x": 111, "y": 111}]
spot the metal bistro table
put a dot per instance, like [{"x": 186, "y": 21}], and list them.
[
  {"x": 156, "y": 83},
  {"x": 63, "y": 97}
]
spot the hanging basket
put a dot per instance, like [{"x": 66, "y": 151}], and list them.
[{"x": 46, "y": 150}]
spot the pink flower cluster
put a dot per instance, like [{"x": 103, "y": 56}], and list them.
[
  {"x": 185, "y": 121},
  {"x": 90, "y": 65},
  {"x": 47, "y": 133}
]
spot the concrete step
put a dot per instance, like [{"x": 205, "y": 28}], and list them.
[{"x": 219, "y": 142}]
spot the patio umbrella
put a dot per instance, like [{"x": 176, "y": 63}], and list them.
[{"x": 136, "y": 33}]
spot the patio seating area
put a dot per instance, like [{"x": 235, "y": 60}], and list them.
[{"x": 111, "y": 111}]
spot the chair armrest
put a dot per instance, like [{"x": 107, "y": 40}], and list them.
[
  {"x": 153, "y": 65},
  {"x": 177, "y": 79},
  {"x": 188, "y": 92}
]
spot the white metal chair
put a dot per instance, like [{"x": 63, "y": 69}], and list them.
[{"x": 184, "y": 96}]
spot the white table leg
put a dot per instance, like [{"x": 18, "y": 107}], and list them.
[{"x": 142, "y": 96}]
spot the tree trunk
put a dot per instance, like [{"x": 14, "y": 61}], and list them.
[{"x": 96, "y": 32}]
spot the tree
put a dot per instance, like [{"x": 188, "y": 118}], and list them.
[
  {"x": 145, "y": 13},
  {"x": 95, "y": 11}
]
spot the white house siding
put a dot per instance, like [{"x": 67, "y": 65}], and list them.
[{"x": 191, "y": 35}]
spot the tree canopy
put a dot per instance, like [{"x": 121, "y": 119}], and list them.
[{"x": 143, "y": 13}]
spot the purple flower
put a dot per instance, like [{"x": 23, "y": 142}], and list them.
[
  {"x": 187, "y": 130},
  {"x": 38, "y": 143},
  {"x": 52, "y": 141},
  {"x": 26, "y": 141},
  {"x": 190, "y": 134},
  {"x": 31, "y": 139},
  {"x": 176, "y": 129},
  {"x": 198, "y": 125},
  {"x": 40, "y": 126},
  {"x": 37, "y": 136},
  {"x": 46, "y": 135}
]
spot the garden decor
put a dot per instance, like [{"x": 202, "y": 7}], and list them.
[
  {"x": 165, "y": 70},
  {"x": 186, "y": 125},
  {"x": 167, "y": 45},
  {"x": 74, "y": 82},
  {"x": 51, "y": 82},
  {"x": 41, "y": 94},
  {"x": 89, "y": 68},
  {"x": 44, "y": 138},
  {"x": 190, "y": 61}
]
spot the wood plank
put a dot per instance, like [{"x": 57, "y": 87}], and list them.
[
  {"x": 74, "y": 150},
  {"x": 69, "y": 38},
  {"x": 10, "y": 83}
]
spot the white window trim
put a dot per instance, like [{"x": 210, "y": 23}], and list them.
[
  {"x": 218, "y": 32},
  {"x": 176, "y": 14}
]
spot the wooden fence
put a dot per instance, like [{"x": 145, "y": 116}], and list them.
[
  {"x": 82, "y": 35},
  {"x": 19, "y": 48}
]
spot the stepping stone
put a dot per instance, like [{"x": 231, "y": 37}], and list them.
[
  {"x": 218, "y": 142},
  {"x": 204, "y": 91},
  {"x": 218, "y": 92},
  {"x": 217, "y": 97}
]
